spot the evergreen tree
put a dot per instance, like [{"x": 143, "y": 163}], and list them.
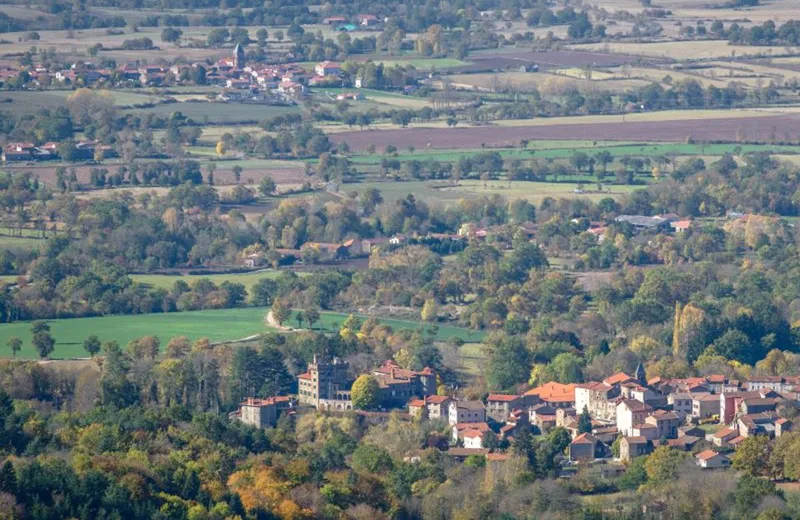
[
  {"x": 8, "y": 478},
  {"x": 585, "y": 422}
]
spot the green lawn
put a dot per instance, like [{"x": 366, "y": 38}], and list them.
[{"x": 217, "y": 325}]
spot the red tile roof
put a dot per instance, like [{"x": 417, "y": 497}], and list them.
[
  {"x": 502, "y": 397},
  {"x": 707, "y": 455},
  {"x": 619, "y": 377}
]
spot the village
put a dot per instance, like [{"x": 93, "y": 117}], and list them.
[{"x": 610, "y": 422}]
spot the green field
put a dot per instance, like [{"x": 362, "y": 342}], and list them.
[
  {"x": 218, "y": 112},
  {"x": 565, "y": 149},
  {"x": 216, "y": 325},
  {"x": 441, "y": 192},
  {"x": 166, "y": 281},
  {"x": 7, "y": 242}
]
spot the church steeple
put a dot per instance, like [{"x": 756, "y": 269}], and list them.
[{"x": 238, "y": 56}]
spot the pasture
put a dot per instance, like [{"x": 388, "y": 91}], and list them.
[
  {"x": 218, "y": 112},
  {"x": 434, "y": 192},
  {"x": 564, "y": 150},
  {"x": 167, "y": 281},
  {"x": 216, "y": 325}
]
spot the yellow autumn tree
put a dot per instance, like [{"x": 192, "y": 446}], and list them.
[
  {"x": 221, "y": 148},
  {"x": 688, "y": 332},
  {"x": 259, "y": 487}
]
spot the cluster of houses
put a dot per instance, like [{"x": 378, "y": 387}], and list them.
[
  {"x": 707, "y": 415},
  {"x": 27, "y": 152},
  {"x": 363, "y": 21}
]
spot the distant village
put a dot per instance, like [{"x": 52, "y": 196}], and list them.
[{"x": 629, "y": 416}]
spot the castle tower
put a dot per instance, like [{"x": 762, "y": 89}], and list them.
[{"x": 238, "y": 56}]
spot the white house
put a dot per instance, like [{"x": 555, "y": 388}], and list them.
[{"x": 710, "y": 459}]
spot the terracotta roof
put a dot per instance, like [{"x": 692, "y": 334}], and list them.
[
  {"x": 502, "y": 397},
  {"x": 437, "y": 399},
  {"x": 472, "y": 434},
  {"x": 419, "y": 403},
  {"x": 480, "y": 426},
  {"x": 304, "y": 376},
  {"x": 619, "y": 377},
  {"x": 497, "y": 457},
  {"x": 466, "y": 452},
  {"x": 707, "y": 455},
  {"x": 584, "y": 438},
  {"x": 250, "y": 401},
  {"x": 724, "y": 433},
  {"x": 715, "y": 378},
  {"x": 736, "y": 440},
  {"x": 555, "y": 392},
  {"x": 686, "y": 440}
]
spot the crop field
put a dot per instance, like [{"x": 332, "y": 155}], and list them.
[
  {"x": 690, "y": 50},
  {"x": 758, "y": 129},
  {"x": 216, "y": 325}
]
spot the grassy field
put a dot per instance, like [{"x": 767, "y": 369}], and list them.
[
  {"x": 167, "y": 281},
  {"x": 439, "y": 193},
  {"x": 219, "y": 112},
  {"x": 564, "y": 150},
  {"x": 216, "y": 325},
  {"x": 7, "y": 242},
  {"x": 472, "y": 359}
]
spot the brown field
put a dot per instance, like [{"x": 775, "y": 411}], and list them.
[{"x": 723, "y": 129}]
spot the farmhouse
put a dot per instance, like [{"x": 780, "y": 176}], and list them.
[
  {"x": 710, "y": 459},
  {"x": 328, "y": 68}
]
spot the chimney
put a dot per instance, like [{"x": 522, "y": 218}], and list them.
[
  {"x": 392, "y": 372},
  {"x": 250, "y": 400}
]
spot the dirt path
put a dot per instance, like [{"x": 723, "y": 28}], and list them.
[{"x": 272, "y": 322}]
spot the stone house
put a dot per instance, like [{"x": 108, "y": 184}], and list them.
[
  {"x": 264, "y": 413},
  {"x": 705, "y": 405},
  {"x": 583, "y": 448},
  {"x": 466, "y": 412},
  {"x": 632, "y": 447},
  {"x": 630, "y": 413},
  {"x": 500, "y": 406}
]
